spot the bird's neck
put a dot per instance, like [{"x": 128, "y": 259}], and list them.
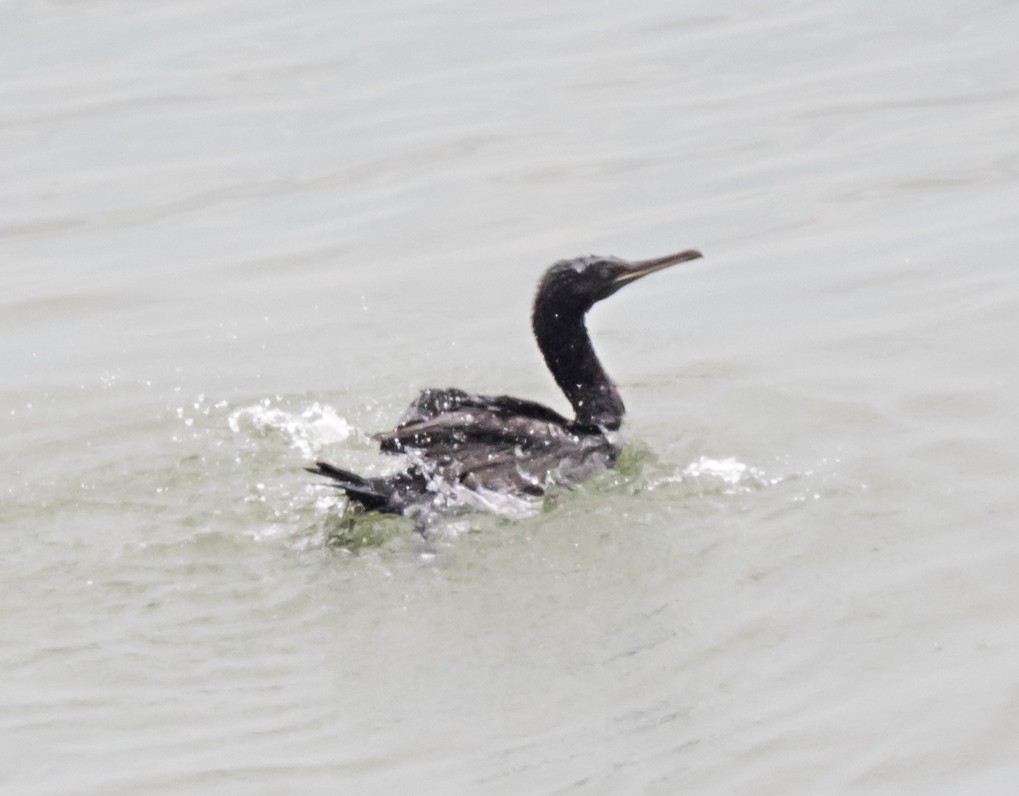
[{"x": 566, "y": 345}]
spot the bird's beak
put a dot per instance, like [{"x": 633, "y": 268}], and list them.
[{"x": 637, "y": 270}]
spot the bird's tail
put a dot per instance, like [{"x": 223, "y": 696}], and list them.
[{"x": 372, "y": 494}]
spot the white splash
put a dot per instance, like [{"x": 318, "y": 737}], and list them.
[
  {"x": 506, "y": 505},
  {"x": 729, "y": 470},
  {"x": 309, "y": 430},
  {"x": 730, "y": 475}
]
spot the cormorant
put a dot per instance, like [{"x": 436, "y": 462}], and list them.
[{"x": 480, "y": 450}]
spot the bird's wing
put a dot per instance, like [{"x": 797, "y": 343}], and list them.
[
  {"x": 533, "y": 472},
  {"x": 452, "y": 432},
  {"x": 432, "y": 404}
]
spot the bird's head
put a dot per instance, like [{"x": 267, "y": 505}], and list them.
[{"x": 576, "y": 285}]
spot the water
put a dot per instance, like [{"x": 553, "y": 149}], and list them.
[{"x": 235, "y": 236}]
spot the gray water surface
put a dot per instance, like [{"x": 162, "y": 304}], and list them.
[{"x": 237, "y": 236}]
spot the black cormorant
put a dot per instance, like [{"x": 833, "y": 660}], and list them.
[{"x": 474, "y": 450}]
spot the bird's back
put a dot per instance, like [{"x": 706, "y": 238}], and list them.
[{"x": 495, "y": 443}]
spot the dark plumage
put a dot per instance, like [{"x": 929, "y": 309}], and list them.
[{"x": 463, "y": 448}]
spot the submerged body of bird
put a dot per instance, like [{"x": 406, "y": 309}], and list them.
[{"x": 464, "y": 450}]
